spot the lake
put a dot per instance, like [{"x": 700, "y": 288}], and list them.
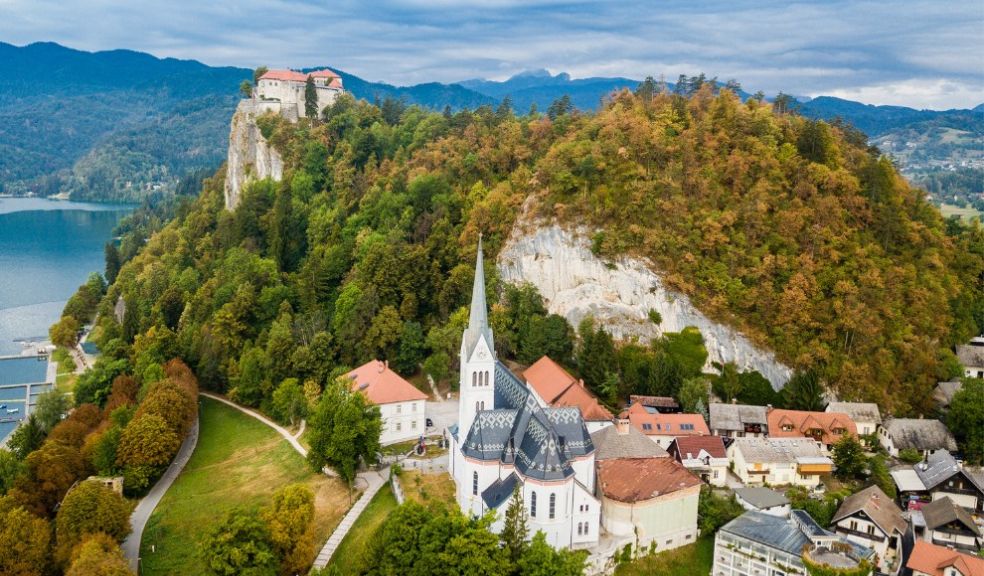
[{"x": 47, "y": 250}]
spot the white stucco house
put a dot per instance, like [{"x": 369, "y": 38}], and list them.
[
  {"x": 971, "y": 356},
  {"x": 762, "y": 499},
  {"x": 924, "y": 435},
  {"x": 401, "y": 404},
  {"x": 779, "y": 461},
  {"x": 870, "y": 518},
  {"x": 866, "y": 416}
]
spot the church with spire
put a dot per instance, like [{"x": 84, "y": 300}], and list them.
[{"x": 507, "y": 435}]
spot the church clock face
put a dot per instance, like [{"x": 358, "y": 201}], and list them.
[{"x": 482, "y": 354}]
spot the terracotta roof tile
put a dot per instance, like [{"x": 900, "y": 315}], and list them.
[
  {"x": 383, "y": 386},
  {"x": 559, "y": 389},
  {"x": 666, "y": 424},
  {"x": 548, "y": 378},
  {"x": 654, "y": 401},
  {"x": 933, "y": 559},
  {"x": 641, "y": 479},
  {"x": 684, "y": 445},
  {"x": 294, "y": 76},
  {"x": 801, "y": 422}
]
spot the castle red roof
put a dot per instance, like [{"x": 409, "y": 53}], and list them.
[
  {"x": 383, "y": 386},
  {"x": 294, "y": 76}
]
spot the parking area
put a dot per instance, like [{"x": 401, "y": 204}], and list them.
[{"x": 443, "y": 414}]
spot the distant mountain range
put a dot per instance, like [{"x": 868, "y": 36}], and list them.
[{"x": 120, "y": 124}]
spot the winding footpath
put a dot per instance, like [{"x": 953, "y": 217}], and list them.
[
  {"x": 141, "y": 514},
  {"x": 374, "y": 481}
]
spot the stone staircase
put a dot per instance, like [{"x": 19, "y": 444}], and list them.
[{"x": 375, "y": 480}]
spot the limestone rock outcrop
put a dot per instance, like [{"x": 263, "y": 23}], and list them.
[
  {"x": 251, "y": 157},
  {"x": 619, "y": 295}
]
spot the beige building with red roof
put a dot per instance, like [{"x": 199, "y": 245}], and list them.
[
  {"x": 648, "y": 501},
  {"x": 282, "y": 91},
  {"x": 824, "y": 427},
  {"x": 401, "y": 404},
  {"x": 556, "y": 388},
  {"x": 664, "y": 428}
]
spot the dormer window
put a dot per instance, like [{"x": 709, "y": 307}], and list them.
[
  {"x": 787, "y": 427},
  {"x": 647, "y": 426}
]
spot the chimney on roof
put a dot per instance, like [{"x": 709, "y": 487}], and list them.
[
  {"x": 380, "y": 366},
  {"x": 580, "y": 382},
  {"x": 622, "y": 426},
  {"x": 734, "y": 400}
]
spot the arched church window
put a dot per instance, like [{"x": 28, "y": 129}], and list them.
[
  {"x": 474, "y": 379},
  {"x": 474, "y": 483},
  {"x": 533, "y": 505},
  {"x": 553, "y": 506}
]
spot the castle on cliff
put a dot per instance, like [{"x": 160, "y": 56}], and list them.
[{"x": 282, "y": 91}]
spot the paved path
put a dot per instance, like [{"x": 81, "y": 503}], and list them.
[
  {"x": 375, "y": 481},
  {"x": 300, "y": 431},
  {"x": 138, "y": 520},
  {"x": 280, "y": 429}
]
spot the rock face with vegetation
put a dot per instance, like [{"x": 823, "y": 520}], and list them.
[
  {"x": 250, "y": 156},
  {"x": 620, "y": 296}
]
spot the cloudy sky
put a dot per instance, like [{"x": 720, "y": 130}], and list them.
[{"x": 920, "y": 53}]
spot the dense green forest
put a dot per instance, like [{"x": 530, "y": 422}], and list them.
[{"x": 792, "y": 230}]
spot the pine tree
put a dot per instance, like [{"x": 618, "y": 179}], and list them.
[
  {"x": 515, "y": 531},
  {"x": 310, "y": 99}
]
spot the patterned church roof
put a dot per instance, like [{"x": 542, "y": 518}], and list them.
[{"x": 540, "y": 442}]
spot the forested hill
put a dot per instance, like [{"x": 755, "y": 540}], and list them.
[{"x": 791, "y": 230}]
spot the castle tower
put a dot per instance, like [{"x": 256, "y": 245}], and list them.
[{"x": 476, "y": 387}]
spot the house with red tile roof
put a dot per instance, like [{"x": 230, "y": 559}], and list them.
[
  {"x": 282, "y": 91},
  {"x": 555, "y": 387},
  {"x": 824, "y": 427},
  {"x": 705, "y": 456},
  {"x": 401, "y": 404},
  {"x": 663, "y": 428},
  {"x": 931, "y": 560},
  {"x": 648, "y": 500}
]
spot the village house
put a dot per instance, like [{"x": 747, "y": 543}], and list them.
[
  {"x": 947, "y": 524},
  {"x": 779, "y": 461},
  {"x": 555, "y": 387},
  {"x": 941, "y": 476},
  {"x": 705, "y": 456},
  {"x": 283, "y": 91},
  {"x": 401, "y": 404},
  {"x": 865, "y": 415},
  {"x": 945, "y": 391},
  {"x": 507, "y": 436},
  {"x": 738, "y": 420},
  {"x": 870, "y": 518},
  {"x": 921, "y": 435},
  {"x": 930, "y": 560},
  {"x": 662, "y": 404},
  {"x": 824, "y": 427},
  {"x": 664, "y": 428},
  {"x": 758, "y": 544},
  {"x": 764, "y": 500},
  {"x": 652, "y": 501},
  {"x": 622, "y": 440},
  {"x": 971, "y": 356}
]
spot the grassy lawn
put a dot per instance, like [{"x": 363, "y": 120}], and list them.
[
  {"x": 238, "y": 461},
  {"x": 695, "y": 559},
  {"x": 348, "y": 557},
  {"x": 427, "y": 488},
  {"x": 65, "y": 370},
  {"x": 965, "y": 213}
]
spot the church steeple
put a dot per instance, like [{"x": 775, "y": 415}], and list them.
[{"x": 479, "y": 317}]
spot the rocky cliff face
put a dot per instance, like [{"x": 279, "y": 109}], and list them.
[
  {"x": 619, "y": 295},
  {"x": 250, "y": 156}
]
